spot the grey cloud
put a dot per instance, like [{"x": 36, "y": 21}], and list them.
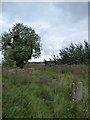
[
  {"x": 58, "y": 23},
  {"x": 78, "y": 10},
  {"x": 29, "y": 11}
]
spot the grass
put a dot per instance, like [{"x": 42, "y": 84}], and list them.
[{"x": 40, "y": 91}]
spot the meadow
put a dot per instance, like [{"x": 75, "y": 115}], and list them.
[{"x": 39, "y": 91}]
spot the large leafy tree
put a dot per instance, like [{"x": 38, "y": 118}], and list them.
[{"x": 20, "y": 44}]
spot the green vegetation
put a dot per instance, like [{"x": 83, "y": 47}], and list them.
[
  {"x": 19, "y": 45},
  {"x": 43, "y": 90},
  {"x": 74, "y": 54},
  {"x": 39, "y": 91}
]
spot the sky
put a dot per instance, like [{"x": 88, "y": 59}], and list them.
[{"x": 57, "y": 23}]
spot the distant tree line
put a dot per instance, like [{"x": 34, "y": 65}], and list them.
[
  {"x": 74, "y": 54},
  {"x": 21, "y": 43}
]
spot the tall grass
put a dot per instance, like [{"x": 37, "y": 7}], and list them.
[{"x": 43, "y": 92}]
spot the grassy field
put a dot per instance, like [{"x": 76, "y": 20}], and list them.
[{"x": 39, "y": 91}]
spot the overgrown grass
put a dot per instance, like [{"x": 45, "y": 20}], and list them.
[{"x": 43, "y": 92}]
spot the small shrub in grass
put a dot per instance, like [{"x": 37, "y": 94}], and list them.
[
  {"x": 44, "y": 80},
  {"x": 66, "y": 69}
]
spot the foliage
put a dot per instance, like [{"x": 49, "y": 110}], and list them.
[
  {"x": 74, "y": 54},
  {"x": 23, "y": 95},
  {"x": 20, "y": 44}
]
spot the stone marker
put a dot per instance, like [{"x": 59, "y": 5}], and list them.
[{"x": 77, "y": 91}]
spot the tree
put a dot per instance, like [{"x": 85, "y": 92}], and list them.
[
  {"x": 76, "y": 54},
  {"x": 20, "y": 44},
  {"x": 87, "y": 52}
]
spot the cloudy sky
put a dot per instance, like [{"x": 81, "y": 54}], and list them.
[{"x": 57, "y": 23}]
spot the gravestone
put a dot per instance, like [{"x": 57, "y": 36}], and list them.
[{"x": 77, "y": 91}]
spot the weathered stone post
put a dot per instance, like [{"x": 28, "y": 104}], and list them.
[{"x": 79, "y": 91}]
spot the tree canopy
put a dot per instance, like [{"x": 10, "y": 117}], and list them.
[
  {"x": 74, "y": 54},
  {"x": 19, "y": 44}
]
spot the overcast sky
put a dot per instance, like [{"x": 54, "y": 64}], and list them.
[{"x": 58, "y": 24}]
